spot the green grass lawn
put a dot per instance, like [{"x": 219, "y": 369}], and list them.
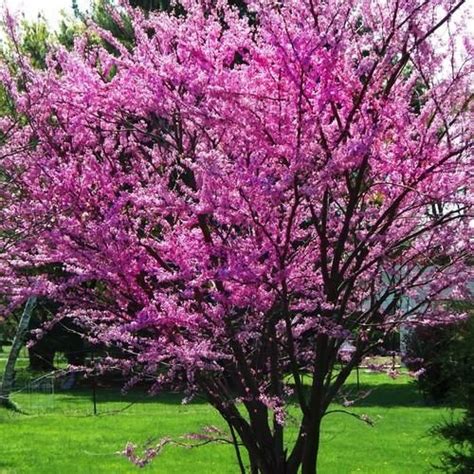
[{"x": 62, "y": 436}]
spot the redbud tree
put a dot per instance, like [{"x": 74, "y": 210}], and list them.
[{"x": 236, "y": 195}]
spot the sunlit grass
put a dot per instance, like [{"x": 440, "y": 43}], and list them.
[{"x": 62, "y": 435}]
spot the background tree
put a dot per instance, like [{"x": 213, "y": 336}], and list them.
[
  {"x": 456, "y": 358},
  {"x": 234, "y": 198},
  {"x": 36, "y": 41},
  {"x": 49, "y": 337},
  {"x": 439, "y": 355},
  {"x": 8, "y": 377}
]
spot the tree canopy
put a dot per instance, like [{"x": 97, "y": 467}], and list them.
[{"x": 230, "y": 198}]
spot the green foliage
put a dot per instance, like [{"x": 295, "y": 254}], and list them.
[
  {"x": 8, "y": 327},
  {"x": 448, "y": 355},
  {"x": 36, "y": 42},
  {"x": 69, "y": 29},
  {"x": 100, "y": 14},
  {"x": 123, "y": 32},
  {"x": 459, "y": 431},
  {"x": 445, "y": 355},
  {"x": 7, "y": 106},
  {"x": 425, "y": 347}
]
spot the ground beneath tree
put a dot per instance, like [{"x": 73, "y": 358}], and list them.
[{"x": 61, "y": 435}]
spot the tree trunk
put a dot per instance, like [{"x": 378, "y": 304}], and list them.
[
  {"x": 311, "y": 449},
  {"x": 18, "y": 341}
]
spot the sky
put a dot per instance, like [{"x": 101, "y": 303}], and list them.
[{"x": 49, "y": 8}]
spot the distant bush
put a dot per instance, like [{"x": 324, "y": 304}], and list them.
[
  {"x": 459, "y": 432},
  {"x": 427, "y": 352},
  {"x": 442, "y": 356},
  {"x": 447, "y": 357}
]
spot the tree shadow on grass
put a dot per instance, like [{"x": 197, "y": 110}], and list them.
[
  {"x": 381, "y": 394},
  {"x": 388, "y": 395},
  {"x": 115, "y": 395},
  {"x": 6, "y": 467}
]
